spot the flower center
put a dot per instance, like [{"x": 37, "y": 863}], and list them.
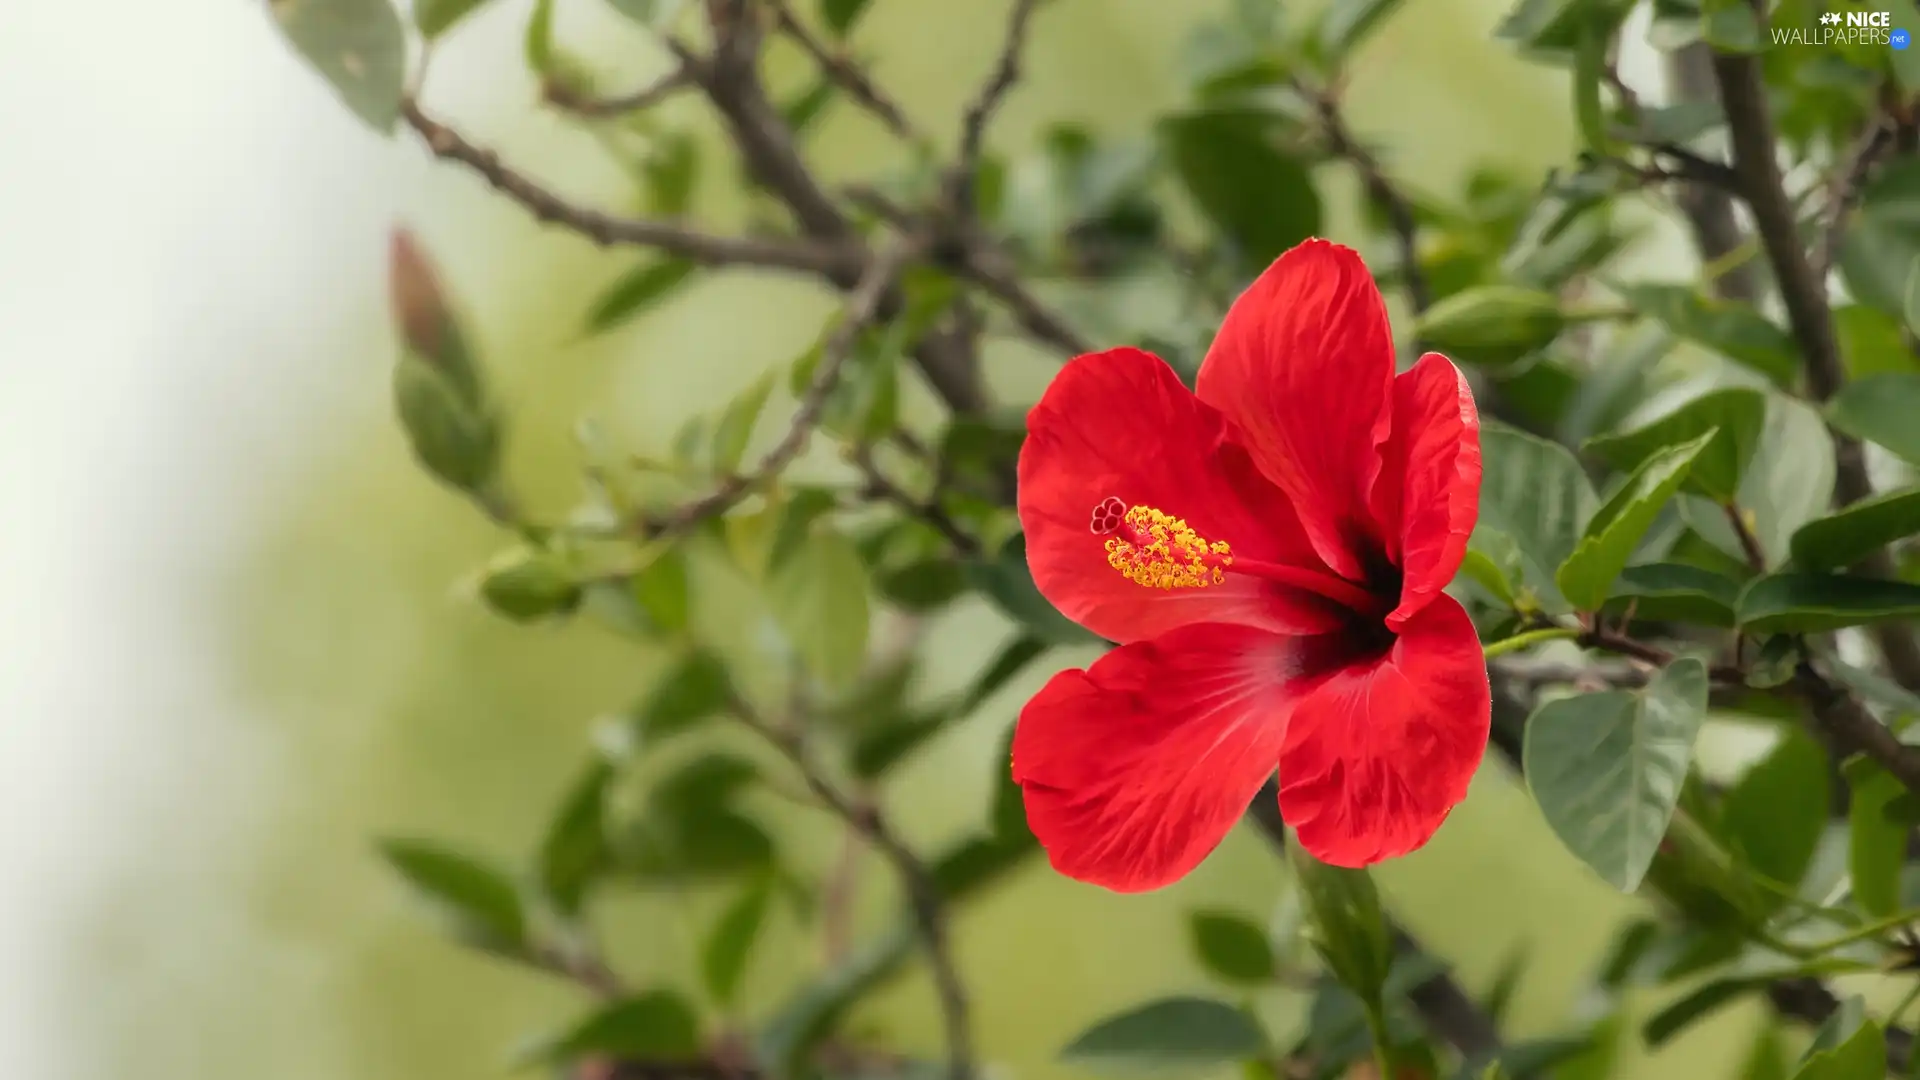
[{"x": 1153, "y": 548}]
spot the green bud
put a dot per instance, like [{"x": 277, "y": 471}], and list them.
[
  {"x": 525, "y": 585},
  {"x": 428, "y": 328},
  {"x": 1492, "y": 325},
  {"x": 452, "y": 437}
]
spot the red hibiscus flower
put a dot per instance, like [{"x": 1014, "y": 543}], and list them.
[{"x": 1269, "y": 553}]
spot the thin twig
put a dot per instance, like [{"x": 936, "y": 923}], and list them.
[
  {"x": 565, "y": 98},
  {"x": 863, "y": 307},
  {"x": 923, "y": 895},
  {"x": 929, "y": 510},
  {"x": 1852, "y": 727},
  {"x": 1845, "y": 187},
  {"x": 1708, "y": 209},
  {"x": 973, "y": 124},
  {"x": 1749, "y": 543},
  {"x": 848, "y": 75},
  {"x": 992, "y": 271},
  {"x": 813, "y": 257},
  {"x": 1383, "y": 192}
]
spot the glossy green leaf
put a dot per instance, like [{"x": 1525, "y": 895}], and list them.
[
  {"x": 1738, "y": 415},
  {"x": 1876, "y": 838},
  {"x": 480, "y": 903},
  {"x": 1616, "y": 529},
  {"x": 436, "y": 17},
  {"x": 1845, "y": 537},
  {"x": 1230, "y": 163},
  {"x": 1732, "y": 329},
  {"x": 1492, "y": 326},
  {"x": 358, "y": 46},
  {"x": 1231, "y": 946},
  {"x": 1174, "y": 1033},
  {"x": 656, "y": 1024},
  {"x": 1677, "y": 592},
  {"x": 736, "y": 425},
  {"x": 576, "y": 848},
  {"x": 1535, "y": 493},
  {"x": 729, "y": 945},
  {"x": 636, "y": 292},
  {"x": 819, "y": 599},
  {"x": 1881, "y": 409},
  {"x": 1776, "y": 813},
  {"x": 1606, "y": 769},
  {"x": 1818, "y": 603}
]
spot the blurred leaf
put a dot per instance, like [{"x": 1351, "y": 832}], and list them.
[
  {"x": 925, "y": 585},
  {"x": 480, "y": 902},
  {"x": 1876, "y": 839},
  {"x": 653, "y": 14},
  {"x": 1731, "y": 26},
  {"x": 1589, "y": 71},
  {"x": 1231, "y": 946},
  {"x": 1185, "y": 1033},
  {"x": 1882, "y": 237},
  {"x": 660, "y": 589},
  {"x": 1492, "y": 326},
  {"x": 1678, "y": 123},
  {"x": 1738, "y": 416},
  {"x": 1346, "y": 25},
  {"x": 358, "y": 46},
  {"x": 1881, "y": 409},
  {"x": 1555, "y": 26},
  {"x": 1012, "y": 659},
  {"x": 1349, "y": 930},
  {"x": 526, "y": 584},
  {"x": 1845, "y": 537},
  {"x": 1752, "y": 974},
  {"x": 1775, "y": 815},
  {"x": 841, "y": 15},
  {"x": 1768, "y": 1058},
  {"x": 1670, "y": 591},
  {"x": 1863, "y": 1056},
  {"x": 1534, "y": 492},
  {"x": 1877, "y": 690},
  {"x": 736, "y": 424},
  {"x": 695, "y": 689},
  {"x": 655, "y": 1024},
  {"x": 1818, "y": 603},
  {"x": 576, "y": 848},
  {"x": 636, "y": 292},
  {"x": 538, "y": 40},
  {"x": 672, "y": 169},
  {"x": 1616, "y": 529},
  {"x": 1732, "y": 329},
  {"x": 1871, "y": 341},
  {"x": 1005, "y": 580},
  {"x": 1262, "y": 199},
  {"x": 812, "y": 1012},
  {"x": 876, "y": 751},
  {"x": 1490, "y": 571},
  {"x": 804, "y": 109},
  {"x": 819, "y": 598},
  {"x": 452, "y": 437},
  {"x": 676, "y": 846},
  {"x": 1606, "y": 769},
  {"x": 1506, "y": 984},
  {"x": 724, "y": 956},
  {"x": 436, "y": 17}
]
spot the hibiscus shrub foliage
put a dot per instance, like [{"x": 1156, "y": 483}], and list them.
[{"x": 1607, "y": 502}]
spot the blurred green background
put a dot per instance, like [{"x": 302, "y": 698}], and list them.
[{"x": 233, "y": 923}]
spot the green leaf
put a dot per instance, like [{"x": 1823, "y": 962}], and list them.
[
  {"x": 1535, "y": 493},
  {"x": 1775, "y": 815},
  {"x": 660, "y": 589},
  {"x": 1005, "y": 580},
  {"x": 841, "y": 15},
  {"x": 694, "y": 689},
  {"x": 1768, "y": 1058},
  {"x": 1738, "y": 415},
  {"x": 1844, "y": 538},
  {"x": 924, "y": 585},
  {"x": 1910, "y": 310},
  {"x": 1261, "y": 199},
  {"x": 636, "y": 292},
  {"x": 1349, "y": 929},
  {"x": 672, "y": 171},
  {"x": 1185, "y": 1033},
  {"x": 1818, "y": 603},
  {"x": 1876, "y": 838},
  {"x": 1732, "y": 329},
  {"x": 724, "y": 956},
  {"x": 1013, "y": 658},
  {"x": 451, "y": 437},
  {"x": 1617, "y": 528},
  {"x": 1554, "y": 26},
  {"x": 528, "y": 584},
  {"x": 1881, "y": 409},
  {"x": 1675, "y": 592},
  {"x": 736, "y": 424},
  {"x": 1589, "y": 70},
  {"x": 1606, "y": 769},
  {"x": 1346, "y": 25},
  {"x": 538, "y": 43},
  {"x": 1882, "y": 237},
  {"x": 1871, "y": 341},
  {"x": 652, "y": 14},
  {"x": 1492, "y": 326},
  {"x": 654, "y": 1024},
  {"x": 576, "y": 848},
  {"x": 1863, "y": 1056},
  {"x": 436, "y": 17},
  {"x": 479, "y": 901},
  {"x": 1731, "y": 27},
  {"x": 819, "y": 598},
  {"x": 1231, "y": 947},
  {"x": 358, "y": 46}
]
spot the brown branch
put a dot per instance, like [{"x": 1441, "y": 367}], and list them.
[
  {"x": 973, "y": 124},
  {"x": 1707, "y": 209},
  {"x": 1381, "y": 190},
  {"x": 565, "y": 98},
  {"x": 846, "y": 74},
  {"x": 813, "y": 257},
  {"x": 990, "y": 268},
  {"x": 1852, "y": 727},
  {"x": 1749, "y": 543},
  {"x": 1844, "y": 188},
  {"x": 923, "y": 896},
  {"x": 881, "y": 486},
  {"x": 863, "y": 307}
]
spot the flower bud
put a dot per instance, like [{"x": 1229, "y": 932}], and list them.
[{"x": 452, "y": 436}]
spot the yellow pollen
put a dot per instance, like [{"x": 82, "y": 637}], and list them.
[{"x": 1158, "y": 550}]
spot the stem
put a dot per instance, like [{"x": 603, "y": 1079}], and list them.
[
  {"x": 1749, "y": 543},
  {"x": 1529, "y": 639}
]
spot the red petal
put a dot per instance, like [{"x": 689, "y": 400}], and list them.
[
  {"x": 1379, "y": 753},
  {"x": 1428, "y": 494},
  {"x": 1135, "y": 769},
  {"x": 1303, "y": 365},
  {"x": 1120, "y": 424}
]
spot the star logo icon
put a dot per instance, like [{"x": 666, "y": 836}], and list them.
[{"x": 1829, "y": 18}]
